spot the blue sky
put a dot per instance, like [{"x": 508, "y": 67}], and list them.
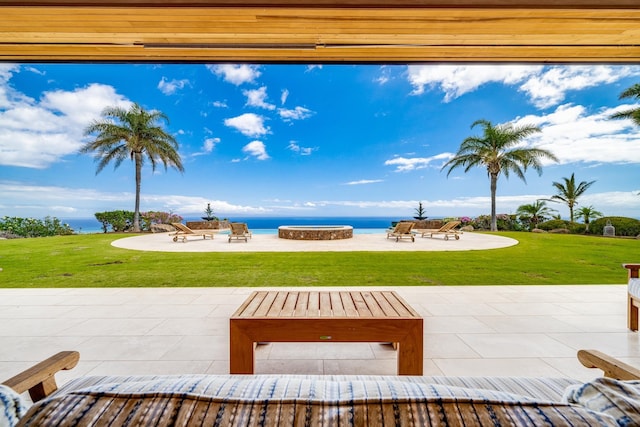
[{"x": 309, "y": 140}]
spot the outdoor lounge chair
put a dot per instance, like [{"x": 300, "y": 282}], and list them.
[
  {"x": 402, "y": 230},
  {"x": 270, "y": 400},
  {"x": 448, "y": 230},
  {"x": 182, "y": 231},
  {"x": 633, "y": 295},
  {"x": 239, "y": 230}
]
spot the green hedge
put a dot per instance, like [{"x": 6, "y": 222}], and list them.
[
  {"x": 624, "y": 226},
  {"x": 554, "y": 224},
  {"x": 11, "y": 227},
  {"x": 117, "y": 220}
]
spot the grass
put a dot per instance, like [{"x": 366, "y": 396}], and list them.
[{"x": 91, "y": 261}]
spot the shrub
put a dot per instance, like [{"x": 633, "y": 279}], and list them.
[
  {"x": 147, "y": 219},
  {"x": 117, "y": 220},
  {"x": 12, "y": 227},
  {"x": 624, "y": 226},
  {"x": 553, "y": 224},
  {"x": 577, "y": 228},
  {"x": 504, "y": 222}
]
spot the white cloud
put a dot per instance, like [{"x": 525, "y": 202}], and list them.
[
  {"x": 384, "y": 77},
  {"x": 304, "y": 151},
  {"x": 283, "y": 96},
  {"x": 257, "y": 98},
  {"x": 248, "y": 124},
  {"x": 220, "y": 104},
  {"x": 298, "y": 113},
  {"x": 256, "y": 149},
  {"x": 312, "y": 67},
  {"x": 574, "y": 135},
  {"x": 41, "y": 200},
  {"x": 169, "y": 87},
  {"x": 404, "y": 164},
  {"x": 364, "y": 182},
  {"x": 209, "y": 144},
  {"x": 545, "y": 86},
  {"x": 456, "y": 80},
  {"x": 35, "y": 134},
  {"x": 548, "y": 88},
  {"x": 236, "y": 74}
]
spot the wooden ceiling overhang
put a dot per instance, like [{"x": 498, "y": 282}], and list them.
[{"x": 324, "y": 31}]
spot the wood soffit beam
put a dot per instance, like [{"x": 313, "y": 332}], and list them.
[
  {"x": 384, "y": 4},
  {"x": 321, "y": 31}
]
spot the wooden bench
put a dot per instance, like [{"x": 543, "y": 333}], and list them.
[
  {"x": 633, "y": 297},
  {"x": 354, "y": 316}
]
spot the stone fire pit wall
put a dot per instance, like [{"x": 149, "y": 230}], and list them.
[{"x": 315, "y": 232}]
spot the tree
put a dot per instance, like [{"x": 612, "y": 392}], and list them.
[
  {"x": 634, "y": 113},
  {"x": 569, "y": 192},
  {"x": 420, "y": 212},
  {"x": 500, "y": 151},
  {"x": 132, "y": 133},
  {"x": 588, "y": 213},
  {"x": 535, "y": 213}
]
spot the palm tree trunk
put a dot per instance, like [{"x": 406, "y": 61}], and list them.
[
  {"x": 571, "y": 212},
  {"x": 136, "y": 213},
  {"x": 494, "y": 185}
]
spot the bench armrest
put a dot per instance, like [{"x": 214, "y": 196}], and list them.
[
  {"x": 611, "y": 367},
  {"x": 40, "y": 380},
  {"x": 633, "y": 270}
]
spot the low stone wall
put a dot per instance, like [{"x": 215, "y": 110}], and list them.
[
  {"x": 426, "y": 223},
  {"x": 207, "y": 225},
  {"x": 293, "y": 233}
]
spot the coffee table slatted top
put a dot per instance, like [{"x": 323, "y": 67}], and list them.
[{"x": 320, "y": 304}]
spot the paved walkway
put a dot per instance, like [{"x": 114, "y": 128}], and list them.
[
  {"x": 469, "y": 330},
  {"x": 272, "y": 243}
]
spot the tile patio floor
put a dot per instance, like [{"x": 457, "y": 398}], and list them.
[{"x": 501, "y": 330}]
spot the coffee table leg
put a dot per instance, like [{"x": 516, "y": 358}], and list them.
[
  {"x": 242, "y": 358},
  {"x": 410, "y": 353}
]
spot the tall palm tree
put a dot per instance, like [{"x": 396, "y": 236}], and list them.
[
  {"x": 499, "y": 150},
  {"x": 535, "y": 212},
  {"x": 588, "y": 213},
  {"x": 136, "y": 134},
  {"x": 569, "y": 192},
  {"x": 634, "y": 113}
]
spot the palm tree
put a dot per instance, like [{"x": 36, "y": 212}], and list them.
[
  {"x": 499, "y": 151},
  {"x": 569, "y": 192},
  {"x": 634, "y": 113},
  {"x": 535, "y": 212},
  {"x": 588, "y": 213},
  {"x": 132, "y": 133}
]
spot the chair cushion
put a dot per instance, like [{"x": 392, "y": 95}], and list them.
[
  {"x": 296, "y": 401},
  {"x": 634, "y": 287},
  {"x": 12, "y": 407},
  {"x": 619, "y": 399}
]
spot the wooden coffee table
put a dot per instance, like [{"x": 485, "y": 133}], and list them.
[{"x": 301, "y": 316}]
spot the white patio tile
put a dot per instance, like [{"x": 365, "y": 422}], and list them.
[
  {"x": 440, "y": 346},
  {"x": 526, "y": 324},
  {"x": 198, "y": 348},
  {"x": 356, "y": 367},
  {"x": 516, "y": 345},
  {"x": 531, "y": 367},
  {"x": 483, "y": 330}
]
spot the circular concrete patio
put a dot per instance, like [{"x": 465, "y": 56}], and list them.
[{"x": 162, "y": 242}]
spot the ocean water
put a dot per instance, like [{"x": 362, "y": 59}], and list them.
[{"x": 267, "y": 225}]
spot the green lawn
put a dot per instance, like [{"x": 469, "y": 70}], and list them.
[{"x": 90, "y": 261}]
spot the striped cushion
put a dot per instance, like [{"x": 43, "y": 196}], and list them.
[
  {"x": 12, "y": 406},
  {"x": 537, "y": 388},
  {"x": 634, "y": 287},
  {"x": 619, "y": 399},
  {"x": 298, "y": 401}
]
